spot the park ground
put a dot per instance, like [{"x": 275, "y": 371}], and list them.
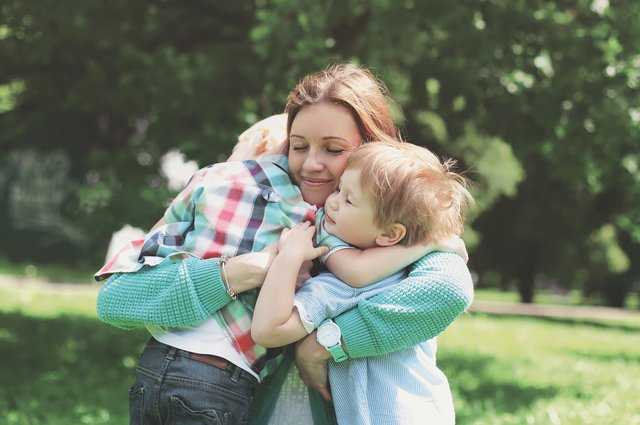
[{"x": 507, "y": 363}]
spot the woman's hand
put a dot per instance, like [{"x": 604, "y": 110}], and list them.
[
  {"x": 311, "y": 359},
  {"x": 247, "y": 271}
]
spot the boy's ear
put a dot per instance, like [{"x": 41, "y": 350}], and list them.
[{"x": 394, "y": 234}]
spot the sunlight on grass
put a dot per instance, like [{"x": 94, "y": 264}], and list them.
[
  {"x": 572, "y": 297},
  {"x": 48, "y": 272},
  {"x": 64, "y": 367},
  {"x": 34, "y": 300},
  {"x": 535, "y": 371}
]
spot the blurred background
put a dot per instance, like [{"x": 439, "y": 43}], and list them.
[{"x": 107, "y": 107}]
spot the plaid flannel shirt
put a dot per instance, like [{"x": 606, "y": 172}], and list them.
[{"x": 226, "y": 209}]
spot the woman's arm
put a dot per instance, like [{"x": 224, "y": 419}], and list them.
[
  {"x": 436, "y": 291},
  {"x": 178, "y": 293}
]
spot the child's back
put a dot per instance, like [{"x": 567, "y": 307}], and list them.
[{"x": 404, "y": 387}]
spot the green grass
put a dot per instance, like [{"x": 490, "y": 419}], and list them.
[
  {"x": 573, "y": 297},
  {"x": 48, "y": 272},
  {"x": 507, "y": 370},
  {"x": 62, "y": 366}
]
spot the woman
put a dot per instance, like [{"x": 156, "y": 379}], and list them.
[{"x": 329, "y": 115}]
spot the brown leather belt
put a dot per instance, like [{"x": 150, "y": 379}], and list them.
[{"x": 216, "y": 361}]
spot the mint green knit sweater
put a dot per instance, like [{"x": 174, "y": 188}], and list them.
[{"x": 184, "y": 293}]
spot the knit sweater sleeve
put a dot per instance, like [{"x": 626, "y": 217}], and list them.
[
  {"x": 436, "y": 291},
  {"x": 174, "y": 293}
]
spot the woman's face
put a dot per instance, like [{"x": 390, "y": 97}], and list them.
[{"x": 322, "y": 137}]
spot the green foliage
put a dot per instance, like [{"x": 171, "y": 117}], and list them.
[
  {"x": 537, "y": 99},
  {"x": 608, "y": 252},
  {"x": 8, "y": 94}
]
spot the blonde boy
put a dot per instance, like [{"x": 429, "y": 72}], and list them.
[{"x": 393, "y": 201}]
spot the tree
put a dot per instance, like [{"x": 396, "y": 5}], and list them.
[{"x": 538, "y": 100}]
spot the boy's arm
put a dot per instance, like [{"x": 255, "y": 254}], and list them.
[
  {"x": 275, "y": 322},
  {"x": 360, "y": 268}
]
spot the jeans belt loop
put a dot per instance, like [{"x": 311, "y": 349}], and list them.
[
  {"x": 171, "y": 353},
  {"x": 236, "y": 372}
]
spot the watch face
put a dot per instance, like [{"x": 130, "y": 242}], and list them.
[{"x": 329, "y": 334}]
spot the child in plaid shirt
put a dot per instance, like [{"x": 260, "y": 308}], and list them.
[{"x": 390, "y": 194}]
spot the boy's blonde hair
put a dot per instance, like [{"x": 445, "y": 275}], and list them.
[{"x": 410, "y": 185}]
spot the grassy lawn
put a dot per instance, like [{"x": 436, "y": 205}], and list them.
[
  {"x": 62, "y": 366},
  {"x": 573, "y": 297},
  {"x": 48, "y": 272}
]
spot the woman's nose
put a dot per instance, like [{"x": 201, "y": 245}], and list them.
[{"x": 313, "y": 162}]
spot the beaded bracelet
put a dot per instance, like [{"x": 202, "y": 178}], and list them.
[{"x": 225, "y": 281}]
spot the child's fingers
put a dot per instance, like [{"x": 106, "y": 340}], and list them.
[
  {"x": 284, "y": 233},
  {"x": 320, "y": 251},
  {"x": 311, "y": 230},
  {"x": 302, "y": 228}
]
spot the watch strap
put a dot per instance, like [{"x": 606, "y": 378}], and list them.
[{"x": 338, "y": 353}]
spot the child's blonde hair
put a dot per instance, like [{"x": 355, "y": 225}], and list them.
[{"x": 411, "y": 186}]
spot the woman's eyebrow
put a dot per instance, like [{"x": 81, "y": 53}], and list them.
[
  {"x": 335, "y": 138},
  {"x": 324, "y": 138}
]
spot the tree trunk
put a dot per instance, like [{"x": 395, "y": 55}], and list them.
[{"x": 526, "y": 283}]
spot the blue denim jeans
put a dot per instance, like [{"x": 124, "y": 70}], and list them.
[{"x": 173, "y": 389}]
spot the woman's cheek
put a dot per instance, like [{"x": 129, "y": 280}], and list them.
[{"x": 294, "y": 167}]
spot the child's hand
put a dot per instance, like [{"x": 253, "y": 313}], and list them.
[
  {"x": 298, "y": 242},
  {"x": 454, "y": 245}
]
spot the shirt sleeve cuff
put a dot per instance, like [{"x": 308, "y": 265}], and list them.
[
  {"x": 307, "y": 323},
  {"x": 207, "y": 281},
  {"x": 356, "y": 337},
  {"x": 332, "y": 251}
]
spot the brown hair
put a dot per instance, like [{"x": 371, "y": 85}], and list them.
[
  {"x": 411, "y": 186},
  {"x": 355, "y": 88}
]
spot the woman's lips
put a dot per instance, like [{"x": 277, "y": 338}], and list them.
[{"x": 315, "y": 182}]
